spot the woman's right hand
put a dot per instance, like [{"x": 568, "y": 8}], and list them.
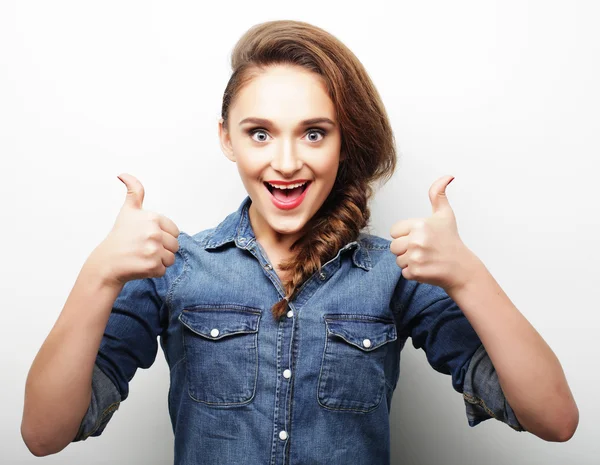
[{"x": 141, "y": 244}]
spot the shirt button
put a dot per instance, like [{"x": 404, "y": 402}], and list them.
[
  {"x": 268, "y": 266},
  {"x": 290, "y": 313},
  {"x": 367, "y": 343},
  {"x": 322, "y": 276},
  {"x": 287, "y": 373},
  {"x": 214, "y": 332},
  {"x": 283, "y": 435}
]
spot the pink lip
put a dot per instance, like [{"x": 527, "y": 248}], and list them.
[
  {"x": 287, "y": 183},
  {"x": 288, "y": 205}
]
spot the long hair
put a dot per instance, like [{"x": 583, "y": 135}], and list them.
[{"x": 367, "y": 152}]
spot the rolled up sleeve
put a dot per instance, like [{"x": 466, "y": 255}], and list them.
[
  {"x": 139, "y": 315},
  {"x": 483, "y": 394},
  {"x": 437, "y": 325},
  {"x": 105, "y": 401}
]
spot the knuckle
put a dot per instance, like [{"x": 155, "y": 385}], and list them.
[
  {"x": 153, "y": 216},
  {"x": 417, "y": 256},
  {"x": 159, "y": 268},
  {"x": 154, "y": 233},
  {"x": 150, "y": 249}
]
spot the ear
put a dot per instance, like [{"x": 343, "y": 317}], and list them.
[{"x": 225, "y": 140}]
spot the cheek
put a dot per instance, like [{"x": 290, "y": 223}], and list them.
[
  {"x": 329, "y": 168},
  {"x": 249, "y": 165}
]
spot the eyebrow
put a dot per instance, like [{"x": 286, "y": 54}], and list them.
[{"x": 306, "y": 122}]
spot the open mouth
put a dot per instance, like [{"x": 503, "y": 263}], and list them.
[{"x": 287, "y": 195}]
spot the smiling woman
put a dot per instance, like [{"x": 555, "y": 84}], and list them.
[
  {"x": 300, "y": 110},
  {"x": 309, "y": 135}
]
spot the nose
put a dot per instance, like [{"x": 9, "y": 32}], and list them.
[{"x": 286, "y": 159}]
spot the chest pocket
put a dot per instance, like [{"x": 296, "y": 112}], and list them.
[
  {"x": 352, "y": 373},
  {"x": 221, "y": 353}
]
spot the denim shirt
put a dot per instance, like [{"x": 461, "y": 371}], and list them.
[{"x": 315, "y": 387}]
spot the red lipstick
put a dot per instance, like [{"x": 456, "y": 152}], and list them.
[{"x": 286, "y": 183}]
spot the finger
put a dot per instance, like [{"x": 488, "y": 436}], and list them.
[
  {"x": 402, "y": 261},
  {"x": 169, "y": 242},
  {"x": 399, "y": 246},
  {"x": 168, "y": 258},
  {"x": 403, "y": 228},
  {"x": 167, "y": 225},
  {"x": 135, "y": 191}
]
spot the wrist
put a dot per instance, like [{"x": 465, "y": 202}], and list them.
[
  {"x": 469, "y": 267},
  {"x": 98, "y": 268}
]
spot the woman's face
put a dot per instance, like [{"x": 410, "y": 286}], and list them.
[{"x": 283, "y": 147}]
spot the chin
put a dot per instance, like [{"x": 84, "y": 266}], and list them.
[{"x": 287, "y": 227}]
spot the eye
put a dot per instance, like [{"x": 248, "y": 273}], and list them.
[
  {"x": 263, "y": 134},
  {"x": 317, "y": 131},
  {"x": 257, "y": 131}
]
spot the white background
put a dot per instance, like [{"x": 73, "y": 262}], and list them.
[{"x": 503, "y": 95}]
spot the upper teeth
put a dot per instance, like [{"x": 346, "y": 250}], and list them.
[{"x": 289, "y": 186}]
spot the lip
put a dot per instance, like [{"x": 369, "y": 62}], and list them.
[
  {"x": 287, "y": 183},
  {"x": 288, "y": 205}
]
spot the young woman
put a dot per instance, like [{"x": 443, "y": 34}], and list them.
[{"x": 283, "y": 325}]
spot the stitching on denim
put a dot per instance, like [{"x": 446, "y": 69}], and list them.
[
  {"x": 245, "y": 308},
  {"x": 108, "y": 410},
  {"x": 222, "y": 404},
  {"x": 276, "y": 407},
  {"x": 293, "y": 355},
  {"x": 478, "y": 401},
  {"x": 355, "y": 409},
  {"x": 321, "y": 392},
  {"x": 177, "y": 363},
  {"x": 364, "y": 349},
  {"x": 256, "y": 322},
  {"x": 356, "y": 317},
  {"x": 169, "y": 299}
]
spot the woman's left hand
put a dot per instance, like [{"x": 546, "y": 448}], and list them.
[{"x": 429, "y": 250}]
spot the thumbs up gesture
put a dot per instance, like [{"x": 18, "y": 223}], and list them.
[
  {"x": 141, "y": 244},
  {"x": 429, "y": 250}
]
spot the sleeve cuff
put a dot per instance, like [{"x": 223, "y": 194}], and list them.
[
  {"x": 483, "y": 395},
  {"x": 105, "y": 401}
]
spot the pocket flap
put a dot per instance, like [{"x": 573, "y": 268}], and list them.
[
  {"x": 365, "y": 332},
  {"x": 216, "y": 323}
]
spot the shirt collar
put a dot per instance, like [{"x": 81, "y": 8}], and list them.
[{"x": 236, "y": 228}]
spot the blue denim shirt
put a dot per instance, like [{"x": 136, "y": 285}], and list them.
[{"x": 315, "y": 387}]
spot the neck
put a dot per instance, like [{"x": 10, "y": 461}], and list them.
[{"x": 268, "y": 237}]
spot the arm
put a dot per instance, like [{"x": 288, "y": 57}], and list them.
[
  {"x": 528, "y": 371},
  {"x": 434, "y": 322},
  {"x": 58, "y": 386},
  {"x": 430, "y": 251}
]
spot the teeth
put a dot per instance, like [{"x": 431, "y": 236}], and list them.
[{"x": 291, "y": 186}]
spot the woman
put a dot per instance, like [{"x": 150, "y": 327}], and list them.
[{"x": 283, "y": 325}]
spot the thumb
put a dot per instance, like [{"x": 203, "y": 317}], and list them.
[
  {"x": 437, "y": 194},
  {"x": 135, "y": 191}
]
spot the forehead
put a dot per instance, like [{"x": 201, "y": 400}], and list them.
[{"x": 283, "y": 94}]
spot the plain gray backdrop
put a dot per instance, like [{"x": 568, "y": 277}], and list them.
[{"x": 503, "y": 95}]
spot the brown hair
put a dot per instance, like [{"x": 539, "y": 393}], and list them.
[{"x": 367, "y": 152}]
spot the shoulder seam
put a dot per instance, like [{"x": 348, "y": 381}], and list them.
[{"x": 169, "y": 298}]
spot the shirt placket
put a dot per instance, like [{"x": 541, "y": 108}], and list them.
[
  {"x": 283, "y": 388},
  {"x": 286, "y": 350}
]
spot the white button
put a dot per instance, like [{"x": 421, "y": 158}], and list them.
[
  {"x": 282, "y": 435},
  {"x": 290, "y": 314},
  {"x": 367, "y": 343},
  {"x": 287, "y": 373},
  {"x": 214, "y": 332}
]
